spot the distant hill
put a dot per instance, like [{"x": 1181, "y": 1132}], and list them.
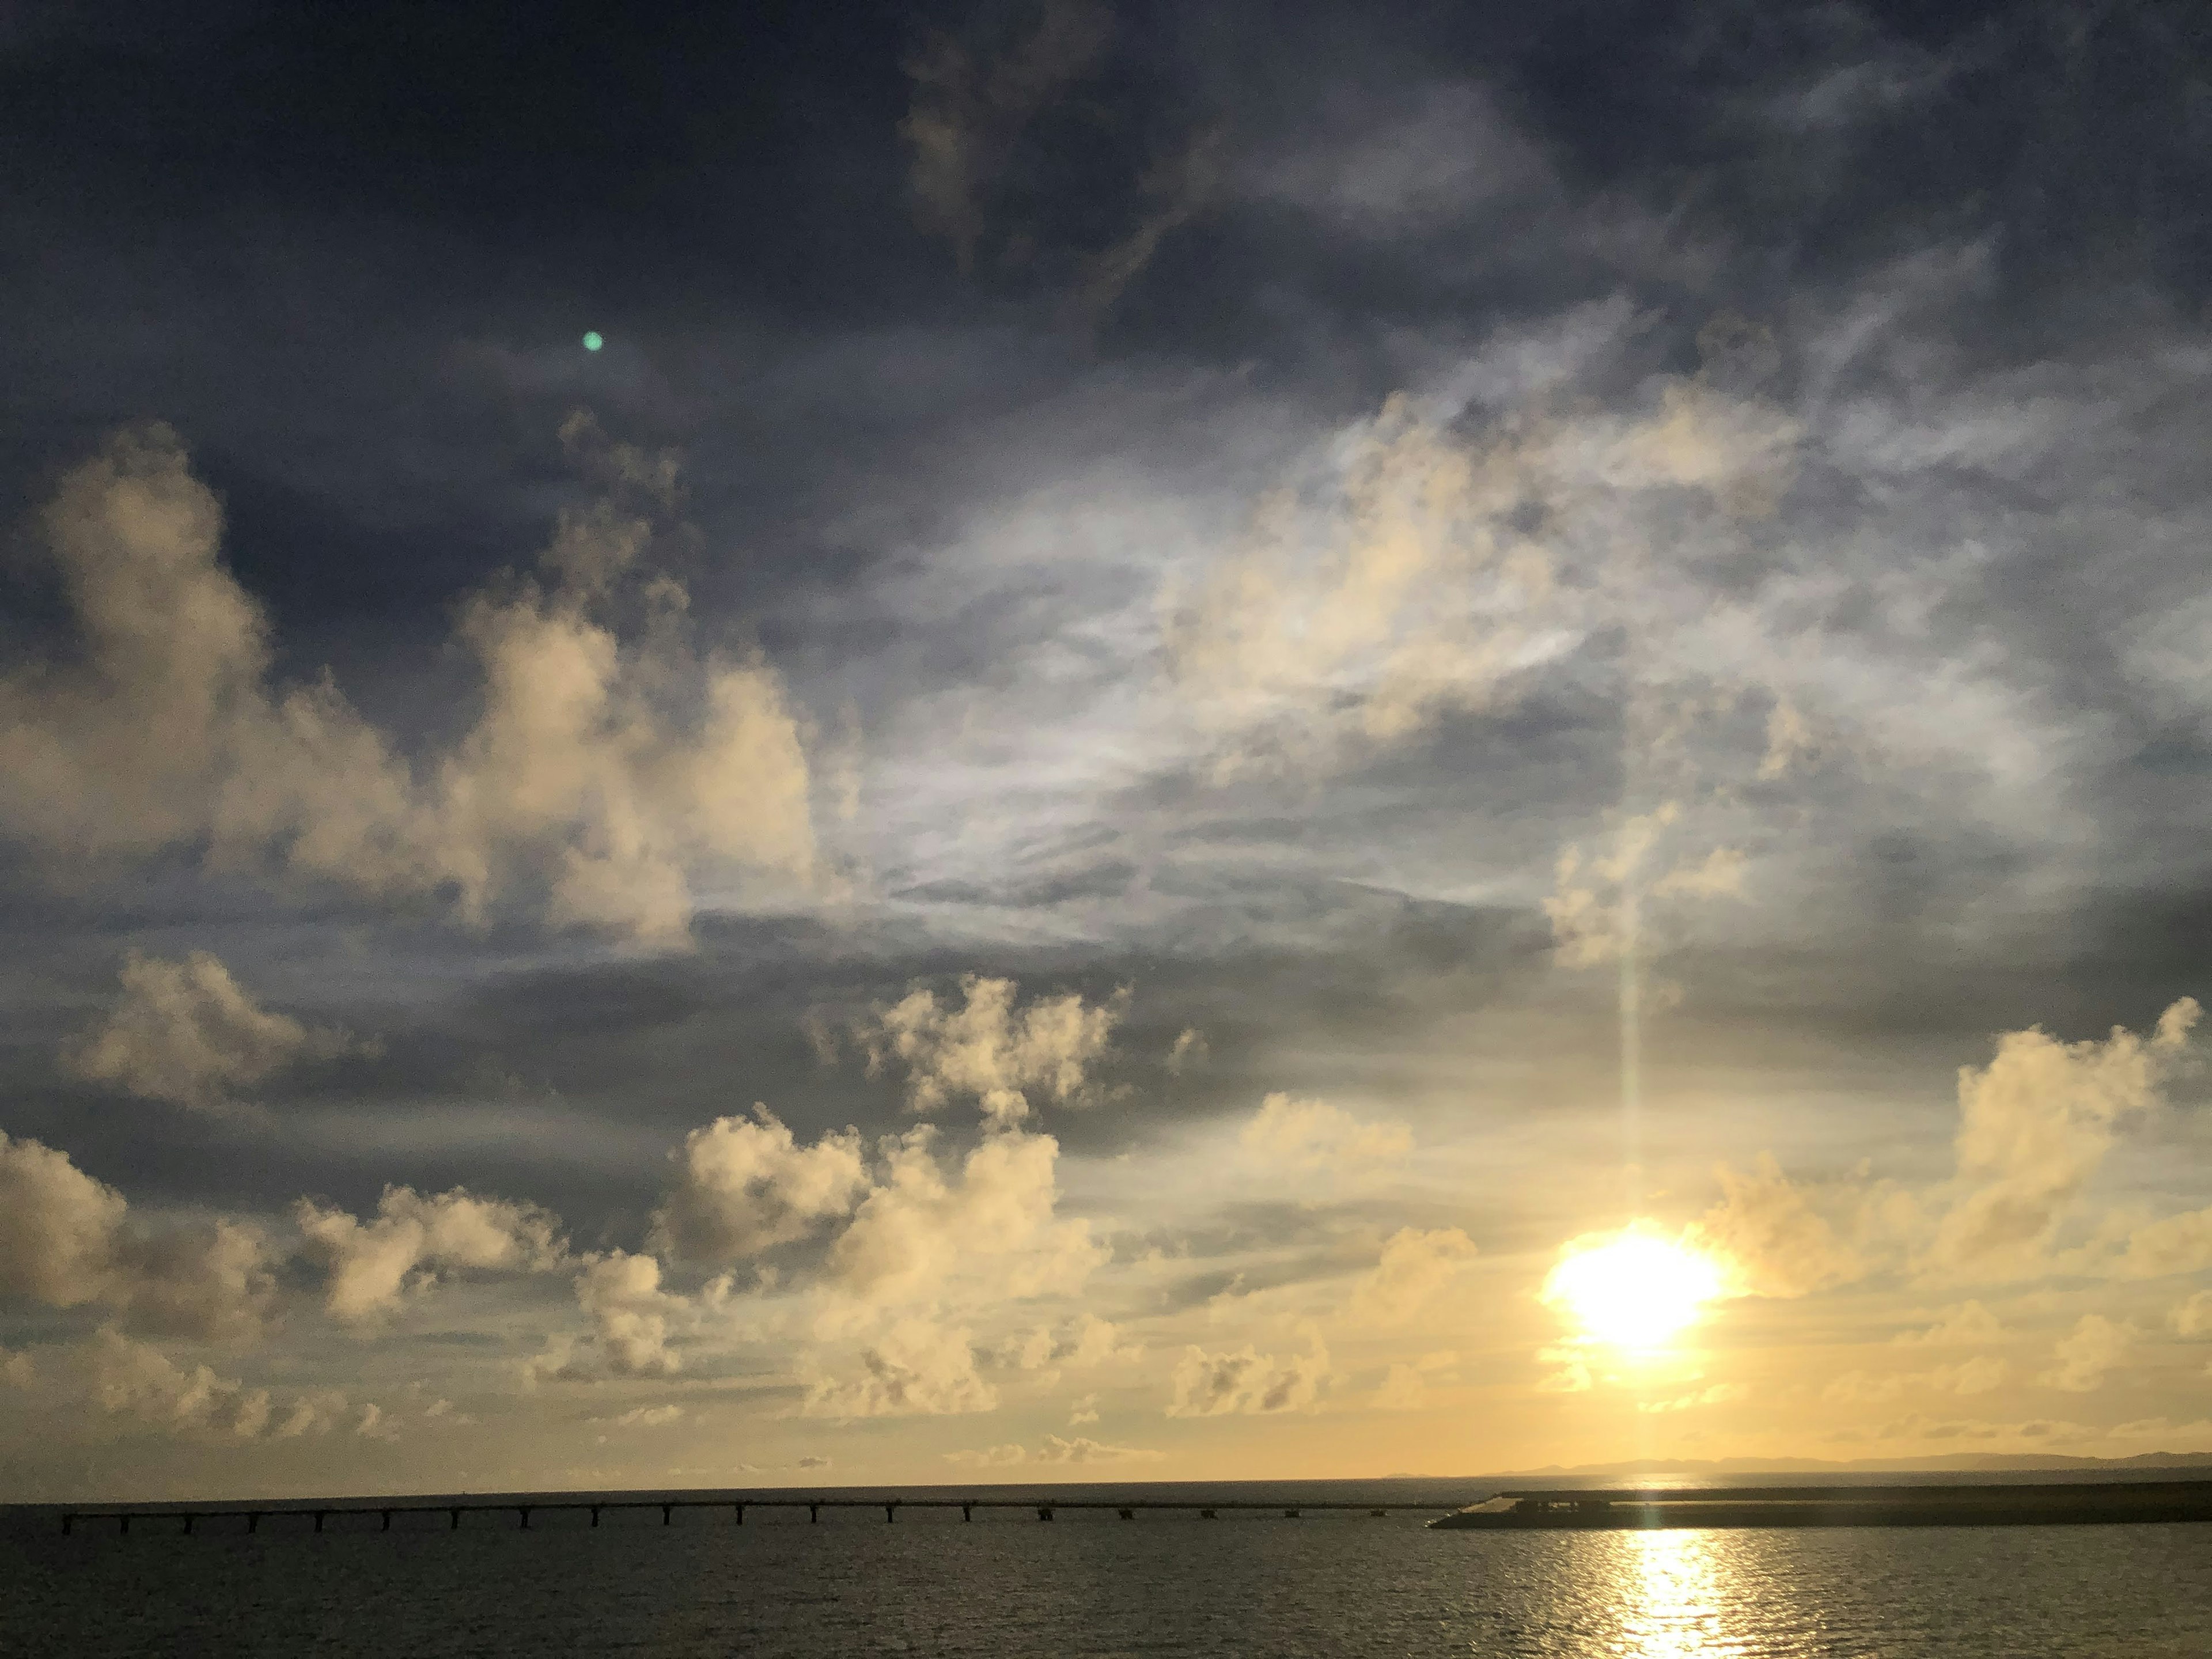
[{"x": 1954, "y": 1463}]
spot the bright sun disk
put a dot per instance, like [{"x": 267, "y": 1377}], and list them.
[{"x": 1634, "y": 1291}]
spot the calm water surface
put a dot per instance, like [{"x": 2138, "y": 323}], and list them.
[{"x": 1094, "y": 1586}]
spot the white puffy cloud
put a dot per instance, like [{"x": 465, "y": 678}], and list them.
[
  {"x": 1769, "y": 1236},
  {"x": 630, "y": 1313},
  {"x": 125, "y": 1378},
  {"x": 744, "y": 1186},
  {"x": 1976, "y": 1375},
  {"x": 2175, "y": 1244},
  {"x": 916, "y": 1369},
  {"x": 137, "y": 1380},
  {"x": 1968, "y": 1322},
  {"x": 600, "y": 771},
  {"x": 2088, "y": 1352},
  {"x": 2194, "y": 1316},
  {"x": 1405, "y": 1387},
  {"x": 1083, "y": 1343},
  {"x": 2034, "y": 1126},
  {"x": 989, "y": 1050},
  {"x": 66, "y": 1240},
  {"x": 991, "y": 1227},
  {"x": 369, "y": 1267},
  {"x": 187, "y": 1033},
  {"x": 1248, "y": 1382},
  {"x": 1289, "y": 1133},
  {"x": 1052, "y": 1449},
  {"x": 1414, "y": 1267}
]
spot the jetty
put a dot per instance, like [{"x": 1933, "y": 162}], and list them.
[{"x": 2058, "y": 1504}]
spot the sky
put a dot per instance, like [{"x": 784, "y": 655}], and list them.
[{"x": 1217, "y": 741}]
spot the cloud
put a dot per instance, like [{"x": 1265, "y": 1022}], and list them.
[
  {"x": 812, "y": 1462},
  {"x": 2035, "y": 1124},
  {"x": 1414, "y": 1267},
  {"x": 1290, "y": 1133},
  {"x": 1769, "y": 1236},
  {"x": 1719, "y": 1394},
  {"x": 1977, "y": 1376},
  {"x": 186, "y": 1033},
  {"x": 1175, "y": 190},
  {"x": 2193, "y": 1317},
  {"x": 127, "y": 1378},
  {"x": 2086, "y": 1353},
  {"x": 1052, "y": 1449},
  {"x": 66, "y": 1240},
  {"x": 1407, "y": 572},
  {"x": 368, "y": 1267},
  {"x": 600, "y": 771},
  {"x": 1083, "y": 1410},
  {"x": 1598, "y": 906},
  {"x": 1084, "y": 1343},
  {"x": 964, "y": 116},
  {"x": 2176, "y": 1244},
  {"x": 1858, "y": 1388},
  {"x": 1188, "y": 1052},
  {"x": 746, "y": 1186},
  {"x": 988, "y": 1051},
  {"x": 991, "y": 1227},
  {"x": 919, "y": 1369},
  {"x": 629, "y": 1313},
  {"x": 1405, "y": 1388},
  {"x": 648, "y": 1417},
  {"x": 1249, "y": 1382},
  {"x": 135, "y": 1380},
  {"x": 1968, "y": 1322}
]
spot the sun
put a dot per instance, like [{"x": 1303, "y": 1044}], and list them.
[{"x": 1632, "y": 1290}]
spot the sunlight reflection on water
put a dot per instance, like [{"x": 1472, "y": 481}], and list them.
[
  {"x": 1099, "y": 1588},
  {"x": 1673, "y": 1596}
]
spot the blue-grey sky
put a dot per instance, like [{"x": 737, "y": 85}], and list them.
[{"x": 1191, "y": 695}]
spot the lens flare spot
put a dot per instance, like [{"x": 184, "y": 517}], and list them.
[
  {"x": 1633, "y": 1289},
  {"x": 592, "y": 341}
]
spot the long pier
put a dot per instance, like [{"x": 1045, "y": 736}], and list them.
[
  {"x": 523, "y": 1507},
  {"x": 1919, "y": 1505}
]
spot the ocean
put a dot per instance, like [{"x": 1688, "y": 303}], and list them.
[{"x": 1089, "y": 1583}]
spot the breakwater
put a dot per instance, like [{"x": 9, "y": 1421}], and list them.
[{"x": 2069, "y": 1503}]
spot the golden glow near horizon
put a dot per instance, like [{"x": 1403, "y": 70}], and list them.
[{"x": 1634, "y": 1289}]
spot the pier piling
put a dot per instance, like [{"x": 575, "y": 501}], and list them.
[
  {"x": 667, "y": 1510},
  {"x": 967, "y": 1512},
  {"x": 1044, "y": 1511},
  {"x": 814, "y": 1513},
  {"x": 740, "y": 1508},
  {"x": 320, "y": 1514},
  {"x": 891, "y": 1513},
  {"x": 456, "y": 1527},
  {"x": 254, "y": 1521},
  {"x": 523, "y": 1510},
  {"x": 1128, "y": 1515},
  {"x": 387, "y": 1521}
]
